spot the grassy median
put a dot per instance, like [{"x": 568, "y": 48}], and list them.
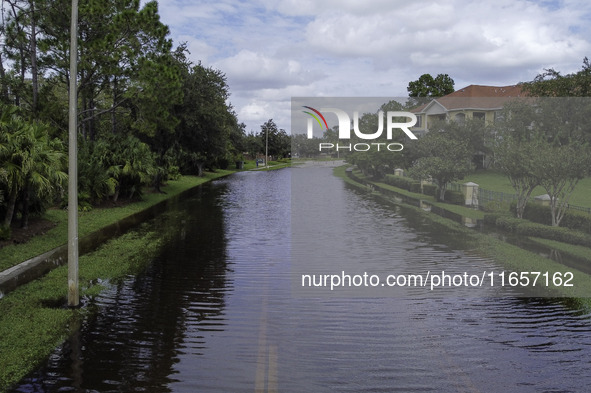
[{"x": 33, "y": 319}]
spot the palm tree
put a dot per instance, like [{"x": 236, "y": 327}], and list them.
[
  {"x": 127, "y": 161},
  {"x": 44, "y": 170},
  {"x": 31, "y": 162}
]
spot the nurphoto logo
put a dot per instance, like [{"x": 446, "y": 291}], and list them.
[{"x": 393, "y": 122}]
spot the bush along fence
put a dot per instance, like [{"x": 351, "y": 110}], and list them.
[
  {"x": 473, "y": 195},
  {"x": 575, "y": 226},
  {"x": 528, "y": 228},
  {"x": 537, "y": 211},
  {"x": 487, "y": 196},
  {"x": 454, "y": 196}
]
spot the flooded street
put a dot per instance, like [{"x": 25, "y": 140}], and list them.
[{"x": 219, "y": 310}]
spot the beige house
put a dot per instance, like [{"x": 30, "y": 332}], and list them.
[{"x": 474, "y": 101}]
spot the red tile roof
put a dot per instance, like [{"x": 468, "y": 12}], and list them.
[{"x": 477, "y": 97}]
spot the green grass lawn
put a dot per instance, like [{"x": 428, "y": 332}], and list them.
[
  {"x": 31, "y": 328},
  {"x": 93, "y": 220},
  {"x": 496, "y": 181}
]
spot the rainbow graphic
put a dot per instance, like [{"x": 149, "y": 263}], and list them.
[{"x": 316, "y": 117}]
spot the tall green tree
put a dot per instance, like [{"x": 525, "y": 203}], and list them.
[
  {"x": 20, "y": 30},
  {"x": 117, "y": 38},
  {"x": 543, "y": 142},
  {"x": 427, "y": 86},
  {"x": 254, "y": 144},
  {"x": 155, "y": 97},
  {"x": 552, "y": 83},
  {"x": 560, "y": 172},
  {"x": 518, "y": 147},
  {"x": 519, "y": 160},
  {"x": 443, "y": 156},
  {"x": 302, "y": 147},
  {"x": 279, "y": 143},
  {"x": 377, "y": 162},
  {"x": 206, "y": 119}
]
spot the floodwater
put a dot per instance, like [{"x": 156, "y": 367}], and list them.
[{"x": 220, "y": 309}]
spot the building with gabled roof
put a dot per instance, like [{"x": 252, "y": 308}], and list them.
[{"x": 474, "y": 101}]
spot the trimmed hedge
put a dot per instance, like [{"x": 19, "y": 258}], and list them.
[
  {"x": 415, "y": 187},
  {"x": 430, "y": 189},
  {"x": 528, "y": 228},
  {"x": 572, "y": 219},
  {"x": 534, "y": 212},
  {"x": 455, "y": 197},
  {"x": 508, "y": 223},
  {"x": 400, "y": 182},
  {"x": 491, "y": 218},
  {"x": 577, "y": 220},
  {"x": 408, "y": 184},
  {"x": 560, "y": 234}
]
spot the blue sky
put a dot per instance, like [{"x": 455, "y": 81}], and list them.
[{"x": 271, "y": 50}]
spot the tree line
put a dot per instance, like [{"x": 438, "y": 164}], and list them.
[{"x": 146, "y": 112}]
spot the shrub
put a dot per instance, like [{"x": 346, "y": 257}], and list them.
[
  {"x": 174, "y": 172},
  {"x": 5, "y": 232},
  {"x": 223, "y": 163},
  {"x": 430, "y": 189},
  {"x": 455, "y": 197},
  {"x": 113, "y": 166},
  {"x": 541, "y": 214},
  {"x": 399, "y": 181},
  {"x": 491, "y": 218},
  {"x": 415, "y": 187},
  {"x": 577, "y": 220},
  {"x": 508, "y": 223},
  {"x": 496, "y": 206},
  {"x": 560, "y": 234},
  {"x": 537, "y": 213}
]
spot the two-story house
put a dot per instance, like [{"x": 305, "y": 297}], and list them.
[
  {"x": 471, "y": 102},
  {"x": 474, "y": 101}
]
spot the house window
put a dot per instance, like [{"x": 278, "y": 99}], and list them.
[
  {"x": 460, "y": 118},
  {"x": 499, "y": 116},
  {"x": 419, "y": 123},
  {"x": 478, "y": 116}
]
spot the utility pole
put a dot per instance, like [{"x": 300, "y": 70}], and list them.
[
  {"x": 73, "y": 291},
  {"x": 267, "y": 149}
]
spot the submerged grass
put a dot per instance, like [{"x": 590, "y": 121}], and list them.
[
  {"x": 580, "y": 252},
  {"x": 33, "y": 318},
  {"x": 273, "y": 165},
  {"x": 462, "y": 210},
  {"x": 31, "y": 326},
  {"x": 511, "y": 257}
]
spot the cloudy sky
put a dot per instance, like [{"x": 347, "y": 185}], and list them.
[{"x": 271, "y": 50}]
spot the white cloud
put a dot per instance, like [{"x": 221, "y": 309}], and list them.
[
  {"x": 198, "y": 50},
  {"x": 449, "y": 35},
  {"x": 252, "y": 70},
  {"x": 315, "y": 7},
  {"x": 254, "y": 111},
  {"x": 271, "y": 50}
]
